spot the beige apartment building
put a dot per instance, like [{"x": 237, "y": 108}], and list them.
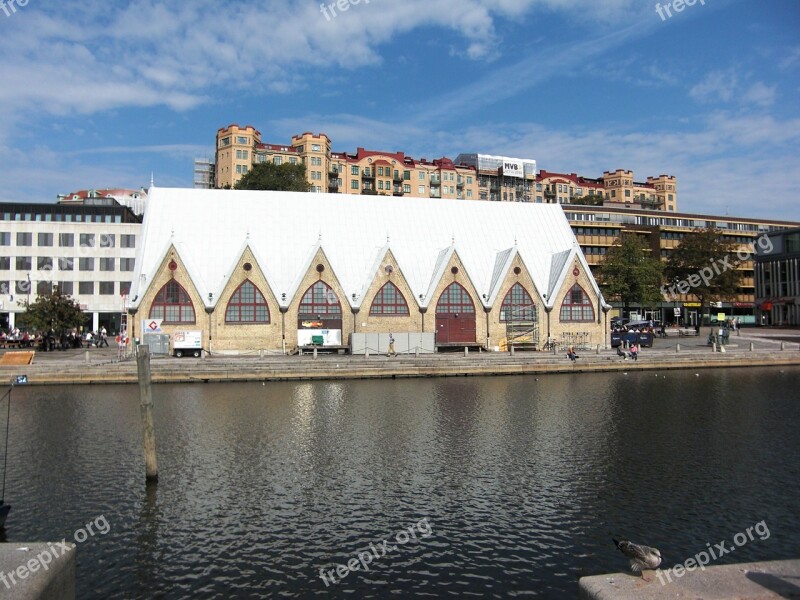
[{"x": 364, "y": 172}]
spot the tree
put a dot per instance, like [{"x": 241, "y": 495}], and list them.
[
  {"x": 267, "y": 176},
  {"x": 55, "y": 310},
  {"x": 703, "y": 265},
  {"x": 588, "y": 200},
  {"x": 630, "y": 274}
]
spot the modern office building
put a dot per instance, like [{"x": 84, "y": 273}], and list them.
[
  {"x": 260, "y": 270},
  {"x": 777, "y": 277},
  {"x": 87, "y": 250},
  {"x": 597, "y": 228}
]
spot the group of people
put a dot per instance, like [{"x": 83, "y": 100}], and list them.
[{"x": 49, "y": 341}]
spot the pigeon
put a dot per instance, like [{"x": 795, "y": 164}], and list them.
[{"x": 641, "y": 557}]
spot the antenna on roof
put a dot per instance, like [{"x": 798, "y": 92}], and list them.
[
  {"x": 453, "y": 239},
  {"x": 515, "y": 239},
  {"x": 152, "y": 181},
  {"x": 319, "y": 237},
  {"x": 387, "y": 238}
]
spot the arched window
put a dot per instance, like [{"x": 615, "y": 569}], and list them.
[
  {"x": 518, "y": 305},
  {"x": 577, "y": 307},
  {"x": 389, "y": 302},
  {"x": 247, "y": 305},
  {"x": 172, "y": 304},
  {"x": 455, "y": 299},
  {"x": 320, "y": 300}
]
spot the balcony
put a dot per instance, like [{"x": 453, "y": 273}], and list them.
[
  {"x": 436, "y": 193},
  {"x": 333, "y": 170},
  {"x": 653, "y": 202},
  {"x": 460, "y": 182},
  {"x": 368, "y": 174},
  {"x": 398, "y": 191},
  {"x": 333, "y": 184},
  {"x": 398, "y": 176},
  {"x": 436, "y": 179},
  {"x": 549, "y": 193}
]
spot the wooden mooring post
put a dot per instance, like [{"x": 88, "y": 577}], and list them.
[{"x": 146, "y": 403}]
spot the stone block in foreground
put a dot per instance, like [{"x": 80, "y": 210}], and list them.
[
  {"x": 37, "y": 571},
  {"x": 761, "y": 580}
]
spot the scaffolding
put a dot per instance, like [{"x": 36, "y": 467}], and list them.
[{"x": 522, "y": 327}]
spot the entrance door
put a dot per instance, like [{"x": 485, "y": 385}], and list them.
[{"x": 455, "y": 316}]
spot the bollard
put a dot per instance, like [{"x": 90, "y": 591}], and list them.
[
  {"x": 752, "y": 346},
  {"x": 261, "y": 353},
  {"x": 466, "y": 350},
  {"x": 598, "y": 349},
  {"x": 301, "y": 352},
  {"x": 416, "y": 352},
  {"x": 315, "y": 353},
  {"x": 366, "y": 352},
  {"x": 146, "y": 409},
  {"x": 87, "y": 356},
  {"x": 677, "y": 347},
  {"x": 783, "y": 346},
  {"x": 512, "y": 349}
]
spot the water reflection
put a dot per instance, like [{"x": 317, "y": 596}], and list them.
[{"x": 523, "y": 479}]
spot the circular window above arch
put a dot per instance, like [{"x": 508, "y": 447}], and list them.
[
  {"x": 320, "y": 268},
  {"x": 517, "y": 270},
  {"x": 172, "y": 265},
  {"x": 247, "y": 266},
  {"x": 454, "y": 270}
]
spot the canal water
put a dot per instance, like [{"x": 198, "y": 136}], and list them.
[{"x": 480, "y": 487}]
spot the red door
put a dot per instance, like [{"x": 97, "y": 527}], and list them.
[{"x": 455, "y": 316}]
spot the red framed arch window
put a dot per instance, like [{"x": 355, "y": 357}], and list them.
[
  {"x": 518, "y": 305},
  {"x": 389, "y": 302},
  {"x": 247, "y": 305},
  {"x": 455, "y": 299},
  {"x": 577, "y": 307},
  {"x": 320, "y": 300},
  {"x": 172, "y": 304}
]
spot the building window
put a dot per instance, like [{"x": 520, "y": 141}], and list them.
[
  {"x": 24, "y": 239},
  {"x": 380, "y": 184},
  {"x": 455, "y": 299},
  {"x": 44, "y": 263},
  {"x": 124, "y": 287},
  {"x": 469, "y": 193},
  {"x": 127, "y": 241},
  {"x": 389, "y": 302},
  {"x": 24, "y": 263},
  {"x": 247, "y": 305},
  {"x": 172, "y": 304},
  {"x": 22, "y": 287},
  {"x": 107, "y": 264},
  {"x": 44, "y": 288},
  {"x": 421, "y": 189},
  {"x": 86, "y": 288},
  {"x": 241, "y": 140},
  {"x": 45, "y": 239},
  {"x": 126, "y": 264},
  {"x": 86, "y": 264},
  {"x": 225, "y": 141},
  {"x": 66, "y": 264},
  {"x": 354, "y": 170},
  {"x": 316, "y": 175},
  {"x": 518, "y": 305},
  {"x": 66, "y": 287},
  {"x": 577, "y": 308},
  {"x": 106, "y": 288},
  {"x": 320, "y": 300},
  {"x": 316, "y": 148},
  {"x": 354, "y": 184},
  {"x": 5, "y": 263},
  {"x": 87, "y": 240},
  {"x": 5, "y": 238},
  {"x": 66, "y": 240},
  {"x": 422, "y": 174},
  {"x": 108, "y": 240},
  {"x": 406, "y": 175},
  {"x": 406, "y": 188},
  {"x": 292, "y": 160}
]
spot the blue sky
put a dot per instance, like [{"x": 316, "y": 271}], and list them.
[{"x": 101, "y": 93}]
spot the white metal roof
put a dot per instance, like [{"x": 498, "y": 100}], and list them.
[{"x": 211, "y": 228}]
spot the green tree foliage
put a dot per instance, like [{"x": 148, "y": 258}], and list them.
[
  {"x": 267, "y": 176},
  {"x": 55, "y": 310},
  {"x": 588, "y": 200},
  {"x": 630, "y": 274},
  {"x": 703, "y": 265}
]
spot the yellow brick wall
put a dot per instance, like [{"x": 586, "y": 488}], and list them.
[
  {"x": 596, "y": 327},
  {"x": 497, "y": 328},
  {"x": 461, "y": 277},
  {"x": 373, "y": 324}
]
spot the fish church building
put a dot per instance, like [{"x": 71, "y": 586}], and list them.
[{"x": 259, "y": 271}]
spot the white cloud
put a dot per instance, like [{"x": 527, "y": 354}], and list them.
[{"x": 717, "y": 85}]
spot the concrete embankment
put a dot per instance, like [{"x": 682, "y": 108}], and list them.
[
  {"x": 744, "y": 581},
  {"x": 286, "y": 368}
]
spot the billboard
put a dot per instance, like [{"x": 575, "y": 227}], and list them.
[{"x": 513, "y": 168}]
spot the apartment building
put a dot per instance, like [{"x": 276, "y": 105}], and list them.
[
  {"x": 89, "y": 251},
  {"x": 777, "y": 277}
]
